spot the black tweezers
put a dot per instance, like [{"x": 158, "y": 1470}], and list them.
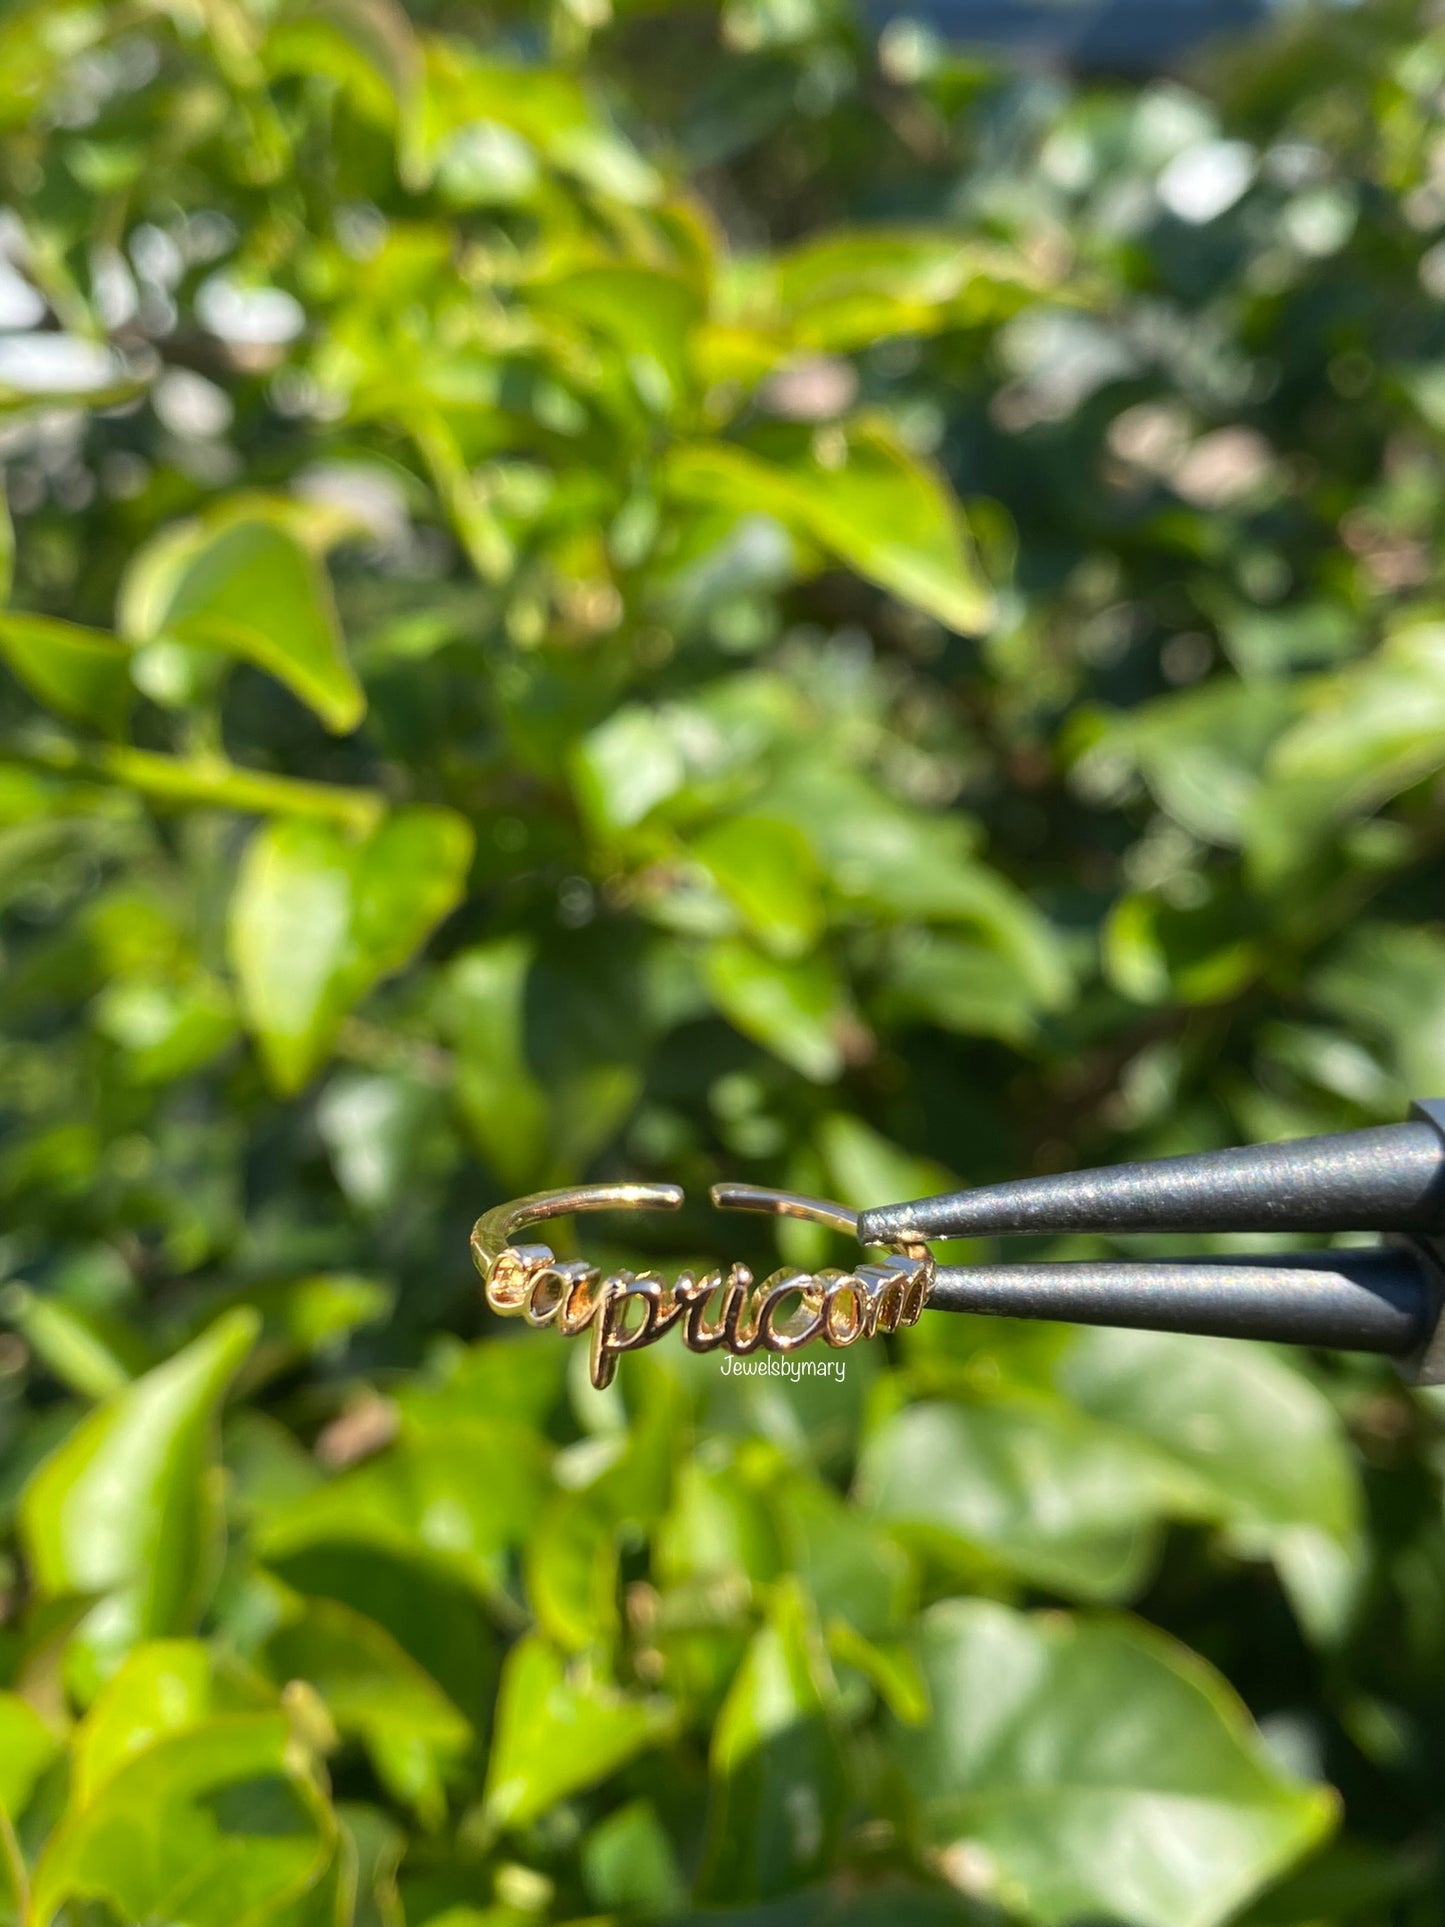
[{"x": 1384, "y": 1298}]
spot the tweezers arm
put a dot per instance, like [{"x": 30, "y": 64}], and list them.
[
  {"x": 1376, "y": 1300},
  {"x": 1388, "y": 1178}
]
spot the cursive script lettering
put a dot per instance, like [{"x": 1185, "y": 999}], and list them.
[{"x": 627, "y": 1311}]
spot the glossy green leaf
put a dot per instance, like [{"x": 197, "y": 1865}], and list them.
[
  {"x": 246, "y": 586},
  {"x": 1203, "y": 752},
  {"x": 27, "y": 1746},
  {"x": 796, "y": 1010},
  {"x": 1063, "y": 1810},
  {"x": 207, "y": 1828},
  {"x": 776, "y": 1769},
  {"x": 430, "y": 1612},
  {"x": 376, "y": 1845},
  {"x": 557, "y": 1733},
  {"x": 164, "y": 1686},
  {"x": 649, "y": 316},
  {"x": 849, "y": 290},
  {"x": 629, "y": 1864},
  {"x": 504, "y": 1105},
  {"x": 318, "y": 918},
  {"x": 1384, "y": 982},
  {"x": 167, "y": 1030},
  {"x": 127, "y": 1508},
  {"x": 303, "y": 1317},
  {"x": 973, "y": 988},
  {"x": 90, "y": 1354},
  {"x": 434, "y": 1497},
  {"x": 1267, "y": 1446},
  {"x": 877, "y": 509},
  {"x": 1028, "y": 1485},
  {"x": 1376, "y": 727},
  {"x": 82, "y": 674},
  {"x": 853, "y": 1571},
  {"x": 373, "y": 1689},
  {"x": 572, "y": 1570},
  {"x": 769, "y": 873}
]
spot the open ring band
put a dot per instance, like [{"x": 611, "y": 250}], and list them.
[{"x": 627, "y": 1310}]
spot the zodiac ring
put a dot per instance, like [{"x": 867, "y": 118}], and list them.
[{"x": 627, "y": 1310}]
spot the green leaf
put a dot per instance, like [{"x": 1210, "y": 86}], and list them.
[
  {"x": 300, "y": 1317},
  {"x": 879, "y": 510},
  {"x": 1202, "y": 752},
  {"x": 209, "y": 781},
  {"x": 966, "y": 987},
  {"x": 212, "y": 1827},
  {"x": 768, "y": 871},
  {"x": 167, "y": 1029},
  {"x": 889, "y": 859},
  {"x": 433, "y": 1615},
  {"x": 243, "y": 584},
  {"x": 369, "y": 44},
  {"x": 1027, "y": 1485},
  {"x": 1386, "y": 982},
  {"x": 1268, "y": 1450},
  {"x": 777, "y": 1773},
  {"x": 865, "y": 1169},
  {"x": 318, "y": 918},
  {"x": 1062, "y": 1808},
  {"x": 1375, "y": 728},
  {"x": 377, "y": 1845},
  {"x": 854, "y": 1572},
  {"x": 484, "y": 1011},
  {"x": 629, "y": 1864},
  {"x": 649, "y": 316},
  {"x": 14, "y": 1879},
  {"x": 375, "y": 1690},
  {"x": 434, "y": 1496},
  {"x": 82, "y": 674},
  {"x": 572, "y": 1571},
  {"x": 128, "y": 1508},
  {"x": 798, "y": 1010},
  {"x": 27, "y": 1746},
  {"x": 163, "y": 1687},
  {"x": 853, "y": 288},
  {"x": 557, "y": 1733},
  {"x": 93, "y": 1355}
]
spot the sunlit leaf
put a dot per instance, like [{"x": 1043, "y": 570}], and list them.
[
  {"x": 164, "y": 1686},
  {"x": 209, "y": 1827},
  {"x": 769, "y": 872},
  {"x": 433, "y": 1497},
  {"x": 1026, "y": 1484},
  {"x": 775, "y": 1764},
  {"x": 504, "y": 1105},
  {"x": 876, "y": 508},
  {"x": 798, "y": 1011},
  {"x": 556, "y": 1734},
  {"x": 127, "y": 1508},
  {"x": 374, "y": 1689},
  {"x": 82, "y": 674},
  {"x": 246, "y": 586},
  {"x": 318, "y": 918},
  {"x": 1269, "y": 1448},
  {"x": 27, "y": 1746},
  {"x": 1061, "y": 1808}
]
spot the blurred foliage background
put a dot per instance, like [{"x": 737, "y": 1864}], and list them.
[{"x": 697, "y": 593}]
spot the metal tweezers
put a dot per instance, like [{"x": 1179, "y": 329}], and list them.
[{"x": 1386, "y": 1298}]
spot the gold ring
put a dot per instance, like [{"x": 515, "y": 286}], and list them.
[{"x": 627, "y": 1310}]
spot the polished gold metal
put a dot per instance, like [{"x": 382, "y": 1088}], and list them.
[{"x": 627, "y": 1310}]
